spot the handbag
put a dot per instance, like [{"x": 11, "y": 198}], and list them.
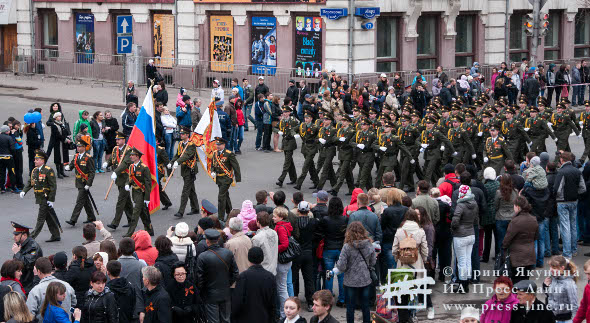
[
  {"x": 293, "y": 251},
  {"x": 564, "y": 92},
  {"x": 503, "y": 265},
  {"x": 372, "y": 273}
]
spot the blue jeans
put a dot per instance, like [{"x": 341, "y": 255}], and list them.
[
  {"x": 552, "y": 237},
  {"x": 239, "y": 138},
  {"x": 475, "y": 253},
  {"x": 352, "y": 294},
  {"x": 281, "y": 278},
  {"x": 540, "y": 243},
  {"x": 501, "y": 227},
  {"x": 248, "y": 116},
  {"x": 99, "y": 147},
  {"x": 578, "y": 95},
  {"x": 169, "y": 145},
  {"x": 299, "y": 111},
  {"x": 463, "y": 247},
  {"x": 290, "y": 283},
  {"x": 567, "y": 225},
  {"x": 259, "y": 132},
  {"x": 330, "y": 259},
  {"x": 386, "y": 260}
]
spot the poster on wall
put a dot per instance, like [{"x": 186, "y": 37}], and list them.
[
  {"x": 85, "y": 38},
  {"x": 164, "y": 40},
  {"x": 222, "y": 43},
  {"x": 308, "y": 46},
  {"x": 263, "y": 35}
]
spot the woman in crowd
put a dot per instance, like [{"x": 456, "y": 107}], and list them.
[
  {"x": 444, "y": 238},
  {"x": 169, "y": 123},
  {"x": 12, "y": 271},
  {"x": 100, "y": 305},
  {"x": 17, "y": 134},
  {"x": 326, "y": 104},
  {"x": 275, "y": 106},
  {"x": 323, "y": 88},
  {"x": 563, "y": 292},
  {"x": 391, "y": 219},
  {"x": 356, "y": 260},
  {"x": 504, "y": 207},
  {"x": 60, "y": 140},
  {"x": 292, "y": 309},
  {"x": 241, "y": 121},
  {"x": 51, "y": 308},
  {"x": 110, "y": 249},
  {"x": 162, "y": 94},
  {"x": 100, "y": 261},
  {"x": 98, "y": 141},
  {"x": 284, "y": 231},
  {"x": 500, "y": 89},
  {"x": 111, "y": 128},
  {"x": 79, "y": 273},
  {"x": 465, "y": 217},
  {"x": 181, "y": 243},
  {"x": 184, "y": 296},
  {"x": 15, "y": 309},
  {"x": 520, "y": 238},
  {"x": 498, "y": 309},
  {"x": 33, "y": 143},
  {"x": 488, "y": 221},
  {"x": 144, "y": 248},
  {"x": 429, "y": 264},
  {"x": 166, "y": 259},
  {"x": 53, "y": 109},
  {"x": 337, "y": 104}
]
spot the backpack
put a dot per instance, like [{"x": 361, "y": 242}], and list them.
[
  {"x": 190, "y": 262},
  {"x": 407, "y": 253},
  {"x": 453, "y": 184}
]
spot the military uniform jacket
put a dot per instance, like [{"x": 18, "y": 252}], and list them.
[
  {"x": 289, "y": 129},
  {"x": 121, "y": 163},
  {"x": 43, "y": 183},
  {"x": 471, "y": 131},
  {"x": 309, "y": 134},
  {"x": 562, "y": 123},
  {"x": 513, "y": 130},
  {"x": 546, "y": 114},
  {"x": 393, "y": 145},
  {"x": 186, "y": 156},
  {"x": 444, "y": 125},
  {"x": 410, "y": 137},
  {"x": 484, "y": 128},
  {"x": 84, "y": 167},
  {"x": 345, "y": 147},
  {"x": 29, "y": 252},
  {"x": 537, "y": 127},
  {"x": 328, "y": 134},
  {"x": 225, "y": 164},
  {"x": 163, "y": 160},
  {"x": 366, "y": 138},
  {"x": 435, "y": 139},
  {"x": 497, "y": 149},
  {"x": 140, "y": 179},
  {"x": 460, "y": 140},
  {"x": 585, "y": 120}
]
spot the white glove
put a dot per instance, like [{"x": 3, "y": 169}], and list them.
[
  {"x": 580, "y": 135},
  {"x": 479, "y": 134},
  {"x": 322, "y": 141},
  {"x": 549, "y": 124},
  {"x": 555, "y": 139},
  {"x": 442, "y": 148},
  {"x": 527, "y": 129},
  {"x": 22, "y": 195},
  {"x": 146, "y": 203},
  {"x": 424, "y": 146},
  {"x": 412, "y": 161},
  {"x": 169, "y": 166},
  {"x": 86, "y": 187},
  {"x": 342, "y": 139},
  {"x": 280, "y": 133},
  {"x": 50, "y": 203},
  {"x": 473, "y": 156},
  {"x": 67, "y": 167},
  {"x": 581, "y": 123},
  {"x": 297, "y": 136},
  {"x": 213, "y": 174},
  {"x": 127, "y": 188},
  {"x": 361, "y": 146},
  {"x": 383, "y": 148},
  {"x": 105, "y": 165},
  {"x": 421, "y": 150},
  {"x": 454, "y": 154},
  {"x": 175, "y": 166},
  {"x": 485, "y": 159},
  {"x": 114, "y": 176}
]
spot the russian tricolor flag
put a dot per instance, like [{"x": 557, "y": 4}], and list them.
[{"x": 143, "y": 137}]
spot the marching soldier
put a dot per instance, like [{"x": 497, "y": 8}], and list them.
[
  {"x": 432, "y": 143},
  {"x": 288, "y": 129},
  {"x": 496, "y": 150},
  {"x": 388, "y": 146},
  {"x": 483, "y": 133},
  {"x": 27, "y": 251},
  {"x": 562, "y": 126},
  {"x": 585, "y": 125},
  {"x": 43, "y": 183},
  {"x": 163, "y": 160},
  {"x": 83, "y": 163},
  {"x": 513, "y": 131},
  {"x": 462, "y": 145},
  {"x": 309, "y": 148},
  {"x": 538, "y": 131},
  {"x": 345, "y": 136},
  {"x": 328, "y": 140},
  {"x": 186, "y": 157},
  {"x": 225, "y": 168},
  {"x": 120, "y": 162},
  {"x": 568, "y": 109},
  {"x": 140, "y": 185},
  {"x": 410, "y": 137},
  {"x": 366, "y": 157}
]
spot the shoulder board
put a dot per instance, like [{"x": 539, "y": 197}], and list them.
[
  {"x": 499, "y": 138},
  {"x": 46, "y": 167},
  {"x": 228, "y": 151}
]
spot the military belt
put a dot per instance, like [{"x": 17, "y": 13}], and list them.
[{"x": 496, "y": 157}]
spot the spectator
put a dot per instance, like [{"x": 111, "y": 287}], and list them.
[
  {"x": 261, "y": 201},
  {"x": 332, "y": 230},
  {"x": 465, "y": 218},
  {"x": 240, "y": 129},
  {"x": 248, "y": 102},
  {"x": 538, "y": 199},
  {"x": 531, "y": 88},
  {"x": 123, "y": 291},
  {"x": 535, "y": 176},
  {"x": 443, "y": 237},
  {"x": 267, "y": 239},
  {"x": 15, "y": 309},
  {"x": 293, "y": 92},
  {"x": 499, "y": 307},
  {"x": 54, "y": 302},
  {"x": 12, "y": 271},
  {"x": 182, "y": 245},
  {"x": 83, "y": 114},
  {"x": 504, "y": 206},
  {"x": 128, "y": 118},
  {"x": 441, "y": 75},
  {"x": 520, "y": 238},
  {"x": 17, "y": 134},
  {"x": 389, "y": 185},
  {"x": 60, "y": 140},
  {"x": 89, "y": 233},
  {"x": 323, "y": 300},
  {"x": 157, "y": 307},
  {"x": 320, "y": 209},
  {"x": 451, "y": 179},
  {"x": 526, "y": 295},
  {"x": 563, "y": 295},
  {"x": 143, "y": 247},
  {"x": 239, "y": 243},
  {"x": 369, "y": 220},
  {"x": 411, "y": 228},
  {"x": 98, "y": 125},
  {"x": 248, "y": 213},
  {"x": 169, "y": 123},
  {"x": 292, "y": 309},
  {"x": 100, "y": 260},
  {"x": 184, "y": 296},
  {"x": 230, "y": 109},
  {"x": 111, "y": 128},
  {"x": 583, "y": 312},
  {"x": 306, "y": 260},
  {"x": 391, "y": 219},
  {"x": 375, "y": 204},
  {"x": 101, "y": 305},
  {"x": 60, "y": 262},
  {"x": 131, "y": 270},
  {"x": 284, "y": 230},
  {"x": 259, "y": 120},
  {"x": 423, "y": 199},
  {"x": 166, "y": 260},
  {"x": 429, "y": 264},
  {"x": 267, "y": 123},
  {"x": 551, "y": 237},
  {"x": 196, "y": 113},
  {"x": 41, "y": 293},
  {"x": 79, "y": 272},
  {"x": 261, "y": 88},
  {"x": 161, "y": 94},
  {"x": 488, "y": 221},
  {"x": 151, "y": 72},
  {"x": 254, "y": 298},
  {"x": 131, "y": 92},
  {"x": 183, "y": 114},
  {"x": 217, "y": 93}
]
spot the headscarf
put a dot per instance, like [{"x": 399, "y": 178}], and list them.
[{"x": 464, "y": 191}]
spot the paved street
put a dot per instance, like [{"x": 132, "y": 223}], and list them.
[{"x": 259, "y": 171}]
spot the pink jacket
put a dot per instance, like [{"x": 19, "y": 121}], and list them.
[
  {"x": 496, "y": 311},
  {"x": 179, "y": 102},
  {"x": 247, "y": 214}
]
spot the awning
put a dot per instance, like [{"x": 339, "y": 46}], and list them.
[{"x": 7, "y": 12}]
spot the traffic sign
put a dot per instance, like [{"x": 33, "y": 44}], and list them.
[
  {"x": 124, "y": 44},
  {"x": 124, "y": 24}
]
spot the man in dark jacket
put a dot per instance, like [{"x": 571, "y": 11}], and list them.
[
  {"x": 531, "y": 88},
  {"x": 216, "y": 272},
  {"x": 254, "y": 298},
  {"x": 261, "y": 88},
  {"x": 530, "y": 308},
  {"x": 156, "y": 301},
  {"x": 552, "y": 244},
  {"x": 538, "y": 198},
  {"x": 7, "y": 153},
  {"x": 320, "y": 210},
  {"x": 27, "y": 251},
  {"x": 123, "y": 290},
  {"x": 128, "y": 118},
  {"x": 293, "y": 92},
  {"x": 446, "y": 95},
  {"x": 150, "y": 72},
  {"x": 421, "y": 97},
  {"x": 303, "y": 90}
]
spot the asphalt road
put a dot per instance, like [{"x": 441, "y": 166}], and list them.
[{"x": 259, "y": 171}]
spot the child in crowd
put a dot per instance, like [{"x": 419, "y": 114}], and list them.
[
  {"x": 535, "y": 175},
  {"x": 562, "y": 294}
]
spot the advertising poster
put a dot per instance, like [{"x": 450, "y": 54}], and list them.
[
  {"x": 308, "y": 46},
  {"x": 222, "y": 43},
  {"x": 85, "y": 38},
  {"x": 263, "y": 35},
  {"x": 164, "y": 40}
]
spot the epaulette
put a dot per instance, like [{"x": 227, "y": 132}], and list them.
[{"x": 228, "y": 151}]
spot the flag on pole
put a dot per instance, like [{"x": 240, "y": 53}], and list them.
[
  {"x": 143, "y": 137},
  {"x": 204, "y": 137}
]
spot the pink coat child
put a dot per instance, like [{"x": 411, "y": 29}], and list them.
[{"x": 247, "y": 214}]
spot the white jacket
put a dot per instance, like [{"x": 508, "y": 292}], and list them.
[
  {"x": 179, "y": 246},
  {"x": 268, "y": 240},
  {"x": 168, "y": 121}
]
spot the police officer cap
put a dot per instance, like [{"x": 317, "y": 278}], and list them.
[
  {"x": 208, "y": 207},
  {"x": 120, "y": 135},
  {"x": 19, "y": 228},
  {"x": 212, "y": 234}
]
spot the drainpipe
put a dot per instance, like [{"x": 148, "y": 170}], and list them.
[
  {"x": 175, "y": 13},
  {"x": 350, "y": 38},
  {"x": 507, "y": 33},
  {"x": 31, "y": 16}
]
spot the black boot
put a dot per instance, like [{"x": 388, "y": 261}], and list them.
[
  {"x": 58, "y": 170},
  {"x": 62, "y": 171}
]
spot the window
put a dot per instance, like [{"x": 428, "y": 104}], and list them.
[
  {"x": 427, "y": 31},
  {"x": 552, "y": 36},
  {"x": 582, "y": 34},
  {"x": 387, "y": 49},
  {"x": 49, "y": 20},
  {"x": 465, "y": 40},
  {"x": 519, "y": 47}
]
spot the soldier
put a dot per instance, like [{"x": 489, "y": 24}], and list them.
[
  {"x": 186, "y": 156},
  {"x": 410, "y": 137},
  {"x": 288, "y": 129},
  {"x": 27, "y": 251},
  {"x": 562, "y": 126},
  {"x": 120, "y": 162},
  {"x": 364, "y": 139},
  {"x": 140, "y": 185},
  {"x": 433, "y": 142},
  {"x": 225, "y": 168},
  {"x": 163, "y": 160},
  {"x": 513, "y": 133},
  {"x": 483, "y": 133},
  {"x": 84, "y": 165},
  {"x": 585, "y": 125},
  {"x": 496, "y": 150},
  {"x": 462, "y": 145},
  {"x": 538, "y": 131},
  {"x": 309, "y": 148},
  {"x": 345, "y": 136},
  {"x": 568, "y": 109},
  {"x": 388, "y": 146},
  {"x": 328, "y": 140},
  {"x": 43, "y": 183}
]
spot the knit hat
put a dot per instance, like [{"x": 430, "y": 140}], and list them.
[
  {"x": 181, "y": 230},
  {"x": 60, "y": 260},
  {"x": 206, "y": 223},
  {"x": 469, "y": 312},
  {"x": 544, "y": 159},
  {"x": 255, "y": 255},
  {"x": 489, "y": 174},
  {"x": 464, "y": 191},
  {"x": 535, "y": 161}
]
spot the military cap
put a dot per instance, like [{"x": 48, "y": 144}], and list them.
[
  {"x": 220, "y": 141},
  {"x": 212, "y": 234},
  {"x": 184, "y": 130},
  {"x": 445, "y": 108},
  {"x": 408, "y": 86},
  {"x": 364, "y": 113},
  {"x": 456, "y": 107},
  {"x": 522, "y": 100},
  {"x": 40, "y": 154},
  {"x": 120, "y": 135},
  {"x": 135, "y": 151},
  {"x": 346, "y": 117},
  {"x": 510, "y": 110},
  {"x": 287, "y": 109},
  {"x": 460, "y": 99},
  {"x": 414, "y": 114},
  {"x": 486, "y": 114},
  {"x": 565, "y": 100},
  {"x": 493, "y": 109},
  {"x": 457, "y": 118},
  {"x": 404, "y": 118},
  {"x": 495, "y": 126},
  {"x": 473, "y": 107},
  {"x": 387, "y": 123},
  {"x": 373, "y": 111},
  {"x": 470, "y": 114},
  {"x": 429, "y": 120},
  {"x": 329, "y": 116},
  {"x": 560, "y": 106},
  {"x": 208, "y": 207},
  {"x": 19, "y": 228},
  {"x": 365, "y": 121},
  {"x": 320, "y": 111},
  {"x": 81, "y": 143},
  {"x": 534, "y": 109},
  {"x": 587, "y": 103}
]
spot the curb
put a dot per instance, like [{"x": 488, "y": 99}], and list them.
[{"x": 28, "y": 88}]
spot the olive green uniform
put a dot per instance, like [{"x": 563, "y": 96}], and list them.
[
  {"x": 470, "y": 129},
  {"x": 289, "y": 129},
  {"x": 366, "y": 157},
  {"x": 328, "y": 150},
  {"x": 461, "y": 144},
  {"x": 226, "y": 168},
  {"x": 538, "y": 131},
  {"x": 120, "y": 163},
  {"x": 585, "y": 120},
  {"x": 562, "y": 127},
  {"x": 410, "y": 137},
  {"x": 84, "y": 167},
  {"x": 186, "y": 157},
  {"x": 140, "y": 181},
  {"x": 513, "y": 133},
  {"x": 309, "y": 149},
  {"x": 43, "y": 183},
  {"x": 497, "y": 152},
  {"x": 345, "y": 156},
  {"x": 163, "y": 160},
  {"x": 434, "y": 140},
  {"x": 483, "y": 133},
  {"x": 388, "y": 158}
]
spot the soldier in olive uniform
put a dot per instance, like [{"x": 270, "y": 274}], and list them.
[
  {"x": 461, "y": 143},
  {"x": 140, "y": 185},
  {"x": 163, "y": 160},
  {"x": 483, "y": 133},
  {"x": 388, "y": 146},
  {"x": 43, "y": 183},
  {"x": 288, "y": 127},
  {"x": 309, "y": 148},
  {"x": 538, "y": 131},
  {"x": 186, "y": 157},
  {"x": 345, "y": 137},
  {"x": 562, "y": 126},
  {"x": 513, "y": 133},
  {"x": 470, "y": 129},
  {"x": 364, "y": 139},
  {"x": 27, "y": 251},
  {"x": 496, "y": 150},
  {"x": 225, "y": 168},
  {"x": 585, "y": 125},
  {"x": 328, "y": 141},
  {"x": 568, "y": 109},
  {"x": 433, "y": 143},
  {"x": 120, "y": 162},
  {"x": 83, "y": 163},
  {"x": 410, "y": 137}
]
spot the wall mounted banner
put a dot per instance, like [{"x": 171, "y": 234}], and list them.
[
  {"x": 308, "y": 46},
  {"x": 164, "y": 40},
  {"x": 263, "y": 35},
  {"x": 85, "y": 38},
  {"x": 222, "y": 43}
]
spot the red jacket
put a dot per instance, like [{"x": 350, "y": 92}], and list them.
[
  {"x": 446, "y": 188},
  {"x": 584, "y": 309},
  {"x": 283, "y": 229},
  {"x": 353, "y": 206},
  {"x": 144, "y": 248}
]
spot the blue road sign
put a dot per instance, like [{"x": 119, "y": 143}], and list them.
[
  {"x": 124, "y": 24},
  {"x": 124, "y": 44}
]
